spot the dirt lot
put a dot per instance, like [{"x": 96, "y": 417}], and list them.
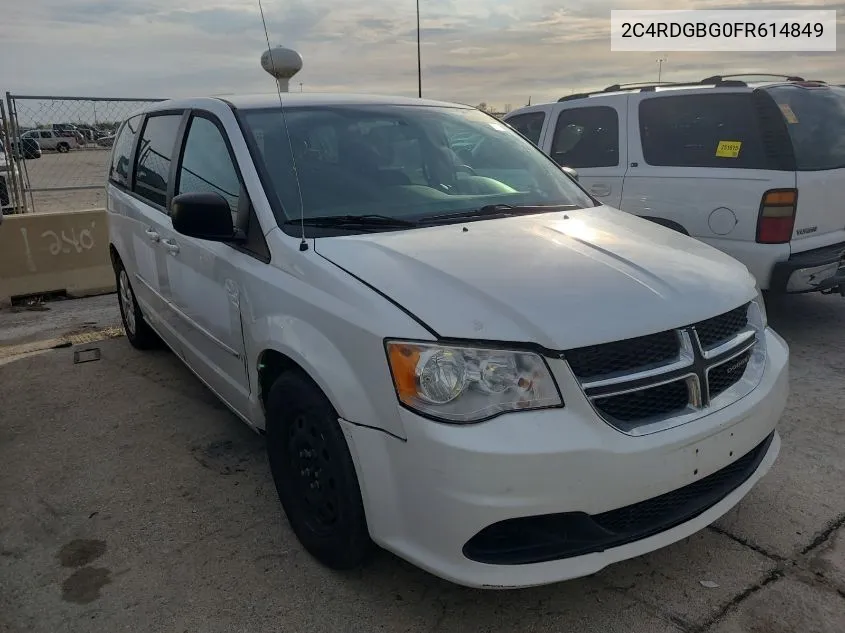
[
  {"x": 133, "y": 501},
  {"x": 81, "y": 167}
]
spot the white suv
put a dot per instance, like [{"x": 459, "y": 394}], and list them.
[
  {"x": 755, "y": 169},
  {"x": 49, "y": 139},
  {"x": 467, "y": 361}
]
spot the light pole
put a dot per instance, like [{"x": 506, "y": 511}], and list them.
[
  {"x": 419, "y": 56},
  {"x": 660, "y": 61}
]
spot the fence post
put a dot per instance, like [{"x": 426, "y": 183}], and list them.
[
  {"x": 13, "y": 125},
  {"x": 12, "y": 189}
]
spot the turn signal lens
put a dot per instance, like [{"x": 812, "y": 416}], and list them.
[{"x": 776, "y": 220}]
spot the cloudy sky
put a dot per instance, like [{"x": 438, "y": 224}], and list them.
[{"x": 496, "y": 51}]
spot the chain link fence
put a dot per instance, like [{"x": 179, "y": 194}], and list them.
[{"x": 58, "y": 149}]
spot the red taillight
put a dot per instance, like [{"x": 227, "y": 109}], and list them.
[{"x": 777, "y": 216}]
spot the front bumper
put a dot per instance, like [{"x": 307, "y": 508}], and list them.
[
  {"x": 821, "y": 269},
  {"x": 428, "y": 496}
]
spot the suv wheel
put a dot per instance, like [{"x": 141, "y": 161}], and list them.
[
  {"x": 138, "y": 331},
  {"x": 314, "y": 474},
  {"x": 63, "y": 148}
]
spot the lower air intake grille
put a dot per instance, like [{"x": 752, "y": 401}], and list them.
[{"x": 538, "y": 539}]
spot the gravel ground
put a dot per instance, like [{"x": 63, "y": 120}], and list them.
[
  {"x": 133, "y": 501},
  {"x": 81, "y": 167}
]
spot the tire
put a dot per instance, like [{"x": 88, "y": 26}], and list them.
[
  {"x": 314, "y": 474},
  {"x": 63, "y": 148},
  {"x": 140, "y": 334}
]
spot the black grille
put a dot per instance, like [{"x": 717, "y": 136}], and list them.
[
  {"x": 660, "y": 509},
  {"x": 719, "y": 329},
  {"x": 728, "y": 374},
  {"x": 636, "y": 353},
  {"x": 538, "y": 539},
  {"x": 645, "y": 403}
]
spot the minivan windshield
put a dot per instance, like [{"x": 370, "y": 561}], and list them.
[
  {"x": 402, "y": 162},
  {"x": 815, "y": 118}
]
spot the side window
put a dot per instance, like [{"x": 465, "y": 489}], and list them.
[
  {"x": 587, "y": 137},
  {"x": 46, "y": 135},
  {"x": 207, "y": 166},
  {"x": 529, "y": 125},
  {"x": 155, "y": 149},
  {"x": 119, "y": 170},
  {"x": 704, "y": 130}
]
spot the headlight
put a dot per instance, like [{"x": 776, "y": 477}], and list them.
[
  {"x": 761, "y": 306},
  {"x": 469, "y": 384}
]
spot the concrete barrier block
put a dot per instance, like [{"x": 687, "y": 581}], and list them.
[{"x": 55, "y": 252}]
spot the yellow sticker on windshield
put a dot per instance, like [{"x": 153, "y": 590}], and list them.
[
  {"x": 728, "y": 149},
  {"x": 788, "y": 114}
]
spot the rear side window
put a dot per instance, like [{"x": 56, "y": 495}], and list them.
[
  {"x": 207, "y": 166},
  {"x": 702, "y": 130},
  {"x": 152, "y": 169},
  {"x": 815, "y": 120},
  {"x": 587, "y": 137},
  {"x": 119, "y": 170},
  {"x": 529, "y": 125}
]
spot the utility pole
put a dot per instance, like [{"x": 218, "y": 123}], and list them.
[
  {"x": 660, "y": 61},
  {"x": 419, "y": 55}
]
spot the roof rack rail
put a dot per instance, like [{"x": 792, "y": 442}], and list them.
[
  {"x": 646, "y": 87},
  {"x": 721, "y": 78},
  {"x": 637, "y": 84}
]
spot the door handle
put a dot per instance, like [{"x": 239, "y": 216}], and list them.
[
  {"x": 155, "y": 237},
  {"x": 600, "y": 190},
  {"x": 171, "y": 246}
]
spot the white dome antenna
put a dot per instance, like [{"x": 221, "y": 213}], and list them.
[{"x": 283, "y": 63}]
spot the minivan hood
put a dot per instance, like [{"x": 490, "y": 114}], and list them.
[{"x": 561, "y": 280}]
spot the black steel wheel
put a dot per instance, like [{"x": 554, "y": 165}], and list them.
[{"x": 314, "y": 473}]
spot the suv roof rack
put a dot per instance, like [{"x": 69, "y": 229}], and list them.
[
  {"x": 722, "y": 81},
  {"x": 721, "y": 78}
]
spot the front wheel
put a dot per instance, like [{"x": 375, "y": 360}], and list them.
[{"x": 314, "y": 473}]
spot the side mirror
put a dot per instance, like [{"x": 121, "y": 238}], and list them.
[
  {"x": 205, "y": 216},
  {"x": 570, "y": 172}
]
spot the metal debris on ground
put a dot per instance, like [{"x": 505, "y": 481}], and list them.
[{"x": 86, "y": 355}]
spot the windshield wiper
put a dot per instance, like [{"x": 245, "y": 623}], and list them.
[
  {"x": 369, "y": 220},
  {"x": 499, "y": 211}
]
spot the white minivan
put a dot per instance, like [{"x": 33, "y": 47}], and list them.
[
  {"x": 755, "y": 169},
  {"x": 467, "y": 361}
]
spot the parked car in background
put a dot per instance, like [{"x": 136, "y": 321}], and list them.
[
  {"x": 755, "y": 169},
  {"x": 48, "y": 139},
  {"x": 27, "y": 149},
  {"x": 469, "y": 361},
  {"x": 7, "y": 173},
  {"x": 106, "y": 141},
  {"x": 69, "y": 130}
]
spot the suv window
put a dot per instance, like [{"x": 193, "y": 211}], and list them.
[
  {"x": 155, "y": 149},
  {"x": 702, "y": 130},
  {"x": 119, "y": 170},
  {"x": 207, "y": 165},
  {"x": 46, "y": 135},
  {"x": 815, "y": 120},
  {"x": 529, "y": 125},
  {"x": 587, "y": 137}
]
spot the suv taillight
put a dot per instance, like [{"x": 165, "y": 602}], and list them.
[{"x": 777, "y": 216}]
